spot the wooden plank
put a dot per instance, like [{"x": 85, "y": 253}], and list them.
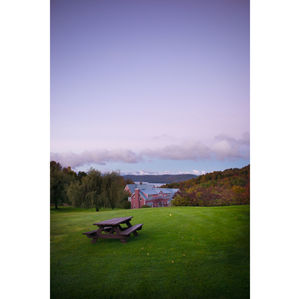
[
  {"x": 114, "y": 221},
  {"x": 132, "y": 229}
]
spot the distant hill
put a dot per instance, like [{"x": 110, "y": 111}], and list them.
[
  {"x": 228, "y": 187},
  {"x": 163, "y": 179}
]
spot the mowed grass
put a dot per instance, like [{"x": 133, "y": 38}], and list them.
[{"x": 181, "y": 252}]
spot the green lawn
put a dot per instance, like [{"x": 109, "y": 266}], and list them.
[{"x": 197, "y": 252}]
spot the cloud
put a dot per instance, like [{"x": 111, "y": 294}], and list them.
[
  {"x": 196, "y": 172},
  {"x": 231, "y": 148},
  {"x": 98, "y": 157},
  {"x": 222, "y": 147},
  {"x": 185, "y": 151}
]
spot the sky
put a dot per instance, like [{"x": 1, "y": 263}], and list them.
[{"x": 150, "y": 86}]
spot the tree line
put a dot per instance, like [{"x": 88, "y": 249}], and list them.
[
  {"x": 91, "y": 189},
  {"x": 219, "y": 188}
]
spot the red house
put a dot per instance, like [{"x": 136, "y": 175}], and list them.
[{"x": 143, "y": 194}]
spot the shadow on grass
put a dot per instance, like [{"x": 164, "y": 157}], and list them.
[{"x": 71, "y": 209}]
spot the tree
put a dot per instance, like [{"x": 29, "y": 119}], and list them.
[
  {"x": 57, "y": 184},
  {"x": 81, "y": 174},
  {"x": 93, "y": 182},
  {"x": 87, "y": 190},
  {"x": 76, "y": 194},
  {"x": 113, "y": 185},
  {"x": 128, "y": 181}
]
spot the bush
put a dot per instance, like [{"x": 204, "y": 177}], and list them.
[{"x": 127, "y": 205}]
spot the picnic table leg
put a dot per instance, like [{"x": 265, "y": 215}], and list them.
[
  {"x": 128, "y": 223},
  {"x": 98, "y": 235},
  {"x": 118, "y": 230},
  {"x": 121, "y": 228}
]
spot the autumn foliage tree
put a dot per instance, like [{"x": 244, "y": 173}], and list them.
[{"x": 228, "y": 187}]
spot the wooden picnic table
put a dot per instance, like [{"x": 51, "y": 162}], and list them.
[{"x": 112, "y": 229}]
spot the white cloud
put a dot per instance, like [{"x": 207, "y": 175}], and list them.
[
  {"x": 184, "y": 151},
  {"x": 222, "y": 147},
  {"x": 228, "y": 147},
  {"x": 98, "y": 157}
]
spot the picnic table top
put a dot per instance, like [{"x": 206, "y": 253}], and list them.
[{"x": 113, "y": 221}]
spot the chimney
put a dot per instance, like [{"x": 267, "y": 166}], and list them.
[{"x": 137, "y": 197}]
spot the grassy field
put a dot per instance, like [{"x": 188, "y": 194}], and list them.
[{"x": 181, "y": 252}]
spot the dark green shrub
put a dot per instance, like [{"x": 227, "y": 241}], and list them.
[{"x": 127, "y": 205}]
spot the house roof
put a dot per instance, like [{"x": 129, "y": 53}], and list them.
[
  {"x": 150, "y": 190},
  {"x": 132, "y": 187}
]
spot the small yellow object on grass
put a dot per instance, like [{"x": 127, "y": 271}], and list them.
[
  {"x": 147, "y": 253},
  {"x": 172, "y": 262},
  {"x": 170, "y": 215}
]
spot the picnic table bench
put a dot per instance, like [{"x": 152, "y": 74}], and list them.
[{"x": 112, "y": 229}]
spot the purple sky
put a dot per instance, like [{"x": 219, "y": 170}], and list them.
[{"x": 150, "y": 86}]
